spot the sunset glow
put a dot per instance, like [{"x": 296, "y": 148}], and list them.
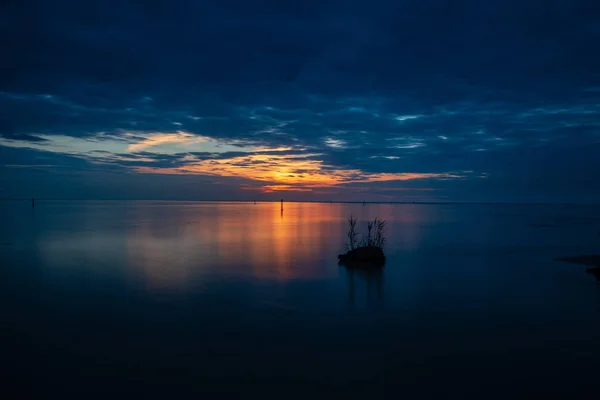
[
  {"x": 288, "y": 172},
  {"x": 315, "y": 104}
]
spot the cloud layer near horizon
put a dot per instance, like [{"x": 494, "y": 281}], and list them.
[{"x": 397, "y": 100}]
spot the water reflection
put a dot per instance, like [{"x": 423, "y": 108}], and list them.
[
  {"x": 173, "y": 247},
  {"x": 181, "y": 245},
  {"x": 260, "y": 242},
  {"x": 163, "y": 262},
  {"x": 369, "y": 280},
  {"x": 481, "y": 290}
]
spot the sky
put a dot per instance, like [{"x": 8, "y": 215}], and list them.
[{"x": 374, "y": 100}]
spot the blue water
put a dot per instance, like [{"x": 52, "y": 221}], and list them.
[{"x": 173, "y": 298}]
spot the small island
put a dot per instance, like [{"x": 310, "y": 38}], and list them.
[
  {"x": 590, "y": 260},
  {"x": 367, "y": 253}
]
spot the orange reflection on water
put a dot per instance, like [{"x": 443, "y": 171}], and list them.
[
  {"x": 162, "y": 262},
  {"x": 267, "y": 243},
  {"x": 180, "y": 245},
  {"x": 236, "y": 240}
]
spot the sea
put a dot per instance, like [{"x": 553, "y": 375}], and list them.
[{"x": 245, "y": 300}]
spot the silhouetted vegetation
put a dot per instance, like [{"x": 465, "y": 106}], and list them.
[
  {"x": 375, "y": 235},
  {"x": 352, "y": 234},
  {"x": 367, "y": 252}
]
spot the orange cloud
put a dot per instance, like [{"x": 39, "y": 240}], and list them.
[
  {"x": 164, "y": 138},
  {"x": 288, "y": 172},
  {"x": 407, "y": 176},
  {"x": 283, "y": 188},
  {"x": 271, "y": 166}
]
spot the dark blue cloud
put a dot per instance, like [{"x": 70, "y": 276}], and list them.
[{"x": 509, "y": 90}]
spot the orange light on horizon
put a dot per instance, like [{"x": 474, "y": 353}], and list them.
[
  {"x": 288, "y": 172},
  {"x": 283, "y": 188}
]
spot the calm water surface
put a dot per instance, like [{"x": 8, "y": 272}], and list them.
[{"x": 170, "y": 298}]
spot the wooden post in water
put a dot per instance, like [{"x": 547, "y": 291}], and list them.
[
  {"x": 281, "y": 204},
  {"x": 32, "y": 202}
]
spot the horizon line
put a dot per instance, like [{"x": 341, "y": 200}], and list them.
[{"x": 316, "y": 201}]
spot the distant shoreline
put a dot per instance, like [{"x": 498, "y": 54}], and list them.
[{"x": 314, "y": 201}]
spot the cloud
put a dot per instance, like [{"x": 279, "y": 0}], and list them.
[
  {"x": 158, "y": 139},
  {"x": 361, "y": 91}
]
